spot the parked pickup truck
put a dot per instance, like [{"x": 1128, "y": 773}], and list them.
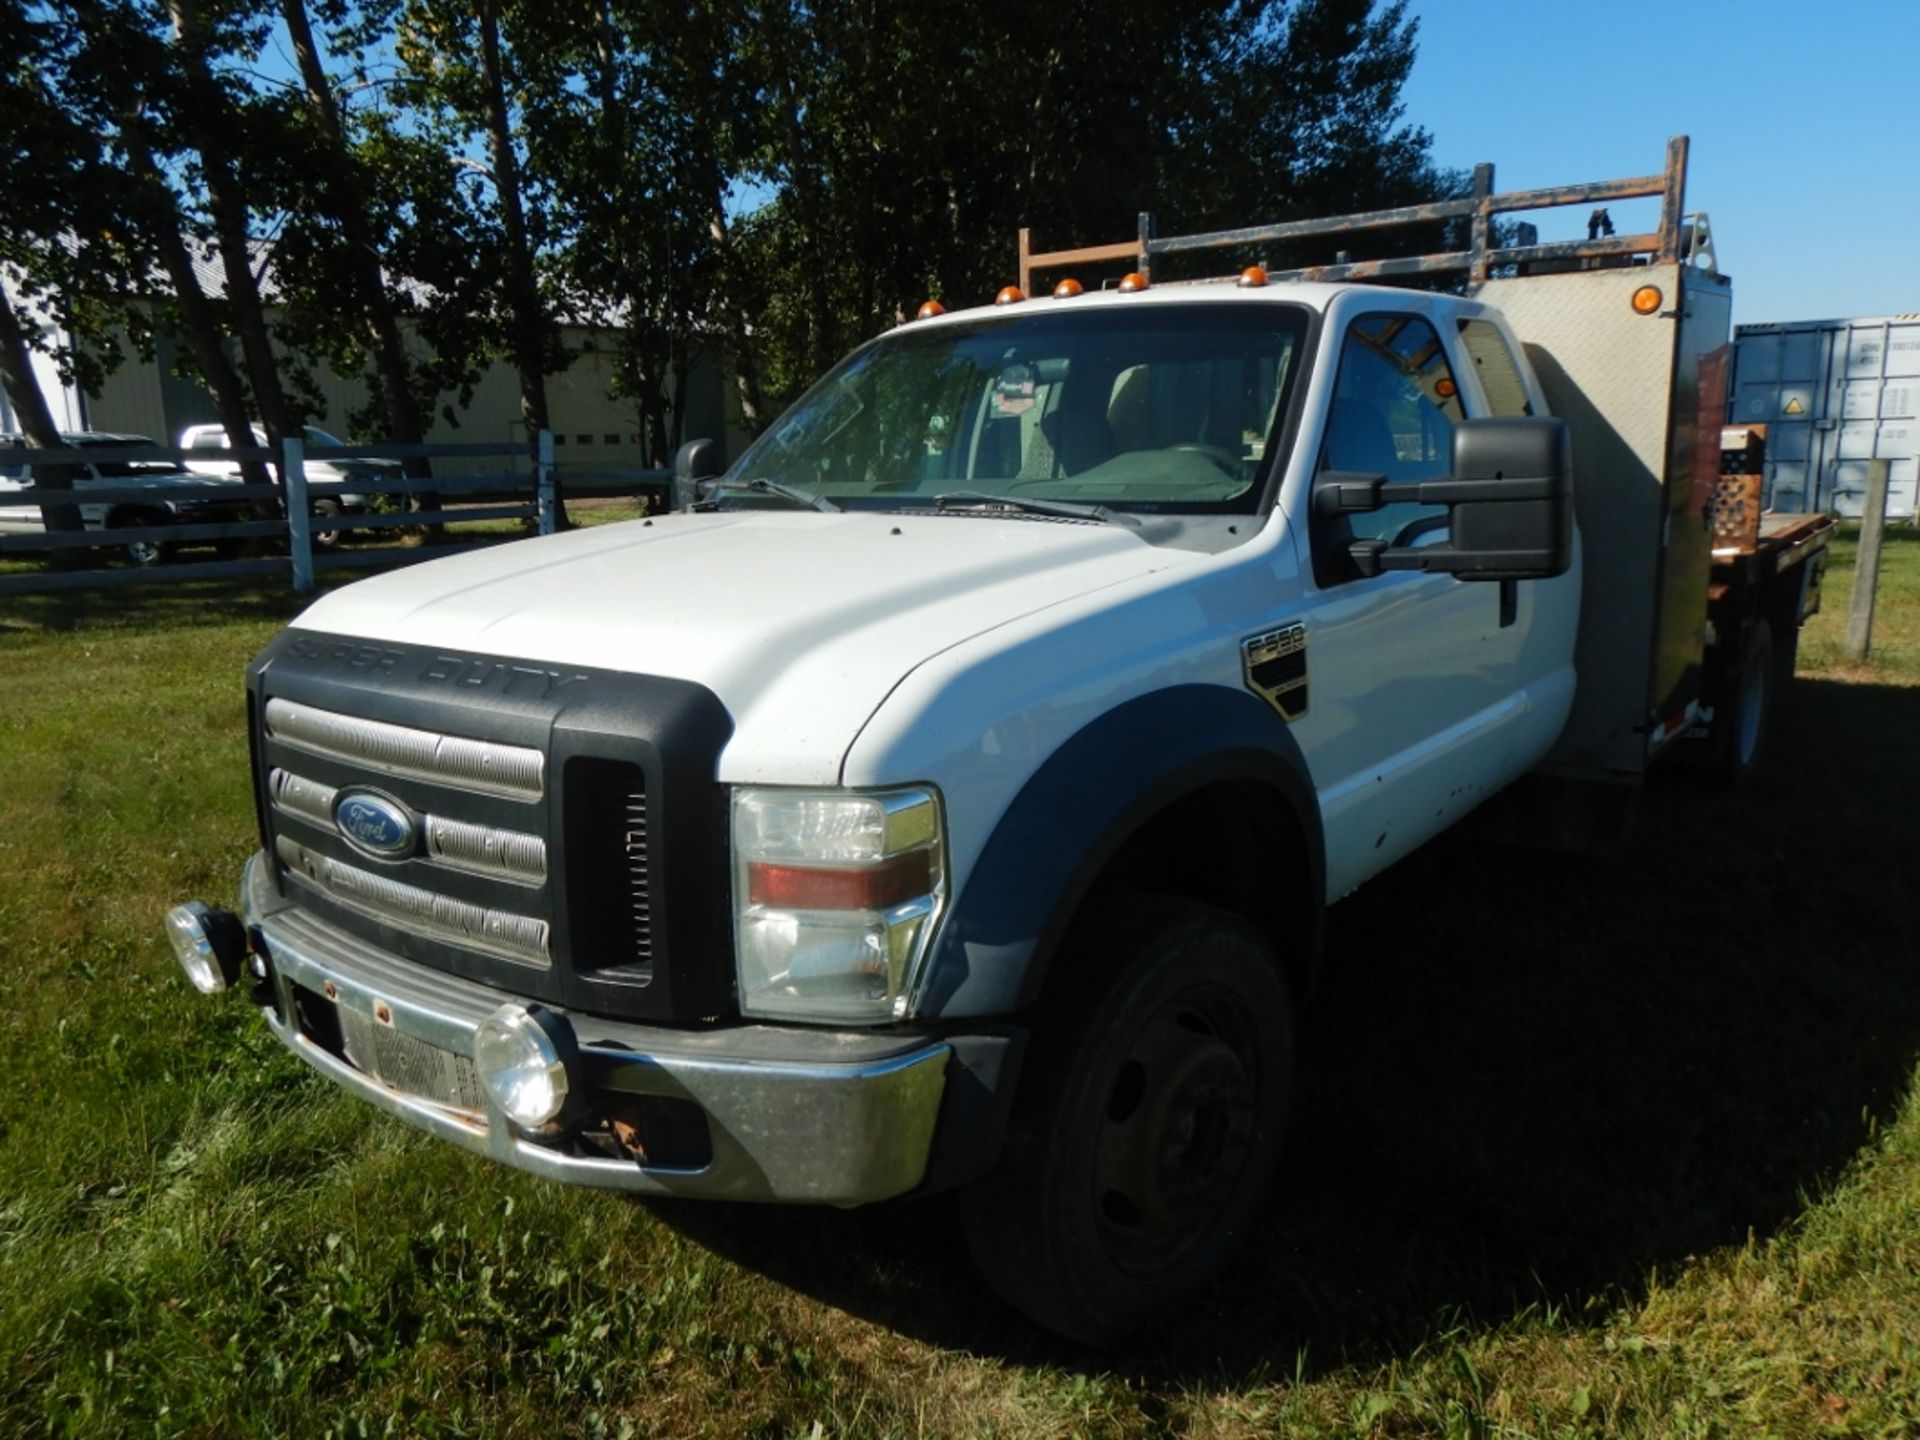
[
  {"x": 949, "y": 796},
  {"x": 331, "y": 483},
  {"x": 144, "y": 495}
]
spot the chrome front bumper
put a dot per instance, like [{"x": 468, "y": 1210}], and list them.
[{"x": 839, "y": 1118}]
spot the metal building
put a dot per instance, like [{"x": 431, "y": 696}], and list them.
[{"x": 1833, "y": 395}]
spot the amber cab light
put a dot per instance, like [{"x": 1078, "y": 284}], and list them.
[
  {"x": 1133, "y": 281},
  {"x": 1067, "y": 289},
  {"x": 1010, "y": 295},
  {"x": 929, "y": 310},
  {"x": 1647, "y": 299},
  {"x": 1253, "y": 277}
]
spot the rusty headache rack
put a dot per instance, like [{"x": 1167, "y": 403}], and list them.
[{"x": 1670, "y": 243}]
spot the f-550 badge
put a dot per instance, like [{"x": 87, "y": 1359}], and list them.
[
  {"x": 1275, "y": 664},
  {"x": 376, "y": 825}
]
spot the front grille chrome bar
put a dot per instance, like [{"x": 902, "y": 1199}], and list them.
[
  {"x": 510, "y": 855},
  {"x": 482, "y": 766},
  {"x": 483, "y": 850},
  {"x": 473, "y": 927}
]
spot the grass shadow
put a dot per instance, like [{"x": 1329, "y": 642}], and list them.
[{"x": 1528, "y": 1079}]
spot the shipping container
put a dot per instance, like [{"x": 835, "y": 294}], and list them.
[{"x": 1833, "y": 395}]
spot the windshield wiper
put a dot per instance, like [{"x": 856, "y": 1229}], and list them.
[
  {"x": 760, "y": 485},
  {"x": 979, "y": 499}
]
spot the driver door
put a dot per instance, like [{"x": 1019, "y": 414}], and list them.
[{"x": 1415, "y": 678}]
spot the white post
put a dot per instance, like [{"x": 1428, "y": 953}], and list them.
[
  {"x": 293, "y": 479},
  {"x": 1866, "y": 573},
  {"x": 543, "y": 489}
]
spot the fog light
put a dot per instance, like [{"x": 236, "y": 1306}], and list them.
[
  {"x": 209, "y": 944},
  {"x": 524, "y": 1058}
]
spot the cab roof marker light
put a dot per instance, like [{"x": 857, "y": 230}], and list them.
[
  {"x": 1067, "y": 289},
  {"x": 1133, "y": 282},
  {"x": 1009, "y": 295},
  {"x": 930, "y": 309}
]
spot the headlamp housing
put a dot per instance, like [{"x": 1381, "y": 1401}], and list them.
[{"x": 836, "y": 893}]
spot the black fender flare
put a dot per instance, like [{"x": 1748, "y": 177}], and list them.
[{"x": 998, "y": 942}]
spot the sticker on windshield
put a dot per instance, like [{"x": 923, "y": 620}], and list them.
[{"x": 1013, "y": 390}]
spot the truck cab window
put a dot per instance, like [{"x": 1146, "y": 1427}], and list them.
[
  {"x": 1161, "y": 407},
  {"x": 1395, "y": 403},
  {"x": 1493, "y": 361}
]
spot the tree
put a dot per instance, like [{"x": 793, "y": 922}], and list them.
[
  {"x": 52, "y": 165},
  {"x": 906, "y": 147},
  {"x": 345, "y": 198}
]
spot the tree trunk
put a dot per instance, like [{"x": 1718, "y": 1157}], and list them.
[
  {"x": 36, "y": 420},
  {"x": 205, "y": 124},
  {"x": 161, "y": 214},
  {"x": 746, "y": 361},
  {"x": 349, "y": 210},
  {"x": 528, "y": 325}
]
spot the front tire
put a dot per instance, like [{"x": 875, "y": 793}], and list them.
[
  {"x": 1147, "y": 1128},
  {"x": 142, "y": 553}
]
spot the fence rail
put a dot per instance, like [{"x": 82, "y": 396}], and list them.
[{"x": 146, "y": 519}]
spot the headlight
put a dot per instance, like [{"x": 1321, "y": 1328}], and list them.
[
  {"x": 209, "y": 944},
  {"x": 522, "y": 1056},
  {"x": 835, "y": 895}
]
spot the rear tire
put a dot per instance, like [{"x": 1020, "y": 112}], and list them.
[
  {"x": 1147, "y": 1128},
  {"x": 1743, "y": 728},
  {"x": 321, "y": 536}
]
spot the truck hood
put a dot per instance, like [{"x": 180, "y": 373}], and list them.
[{"x": 800, "y": 622}]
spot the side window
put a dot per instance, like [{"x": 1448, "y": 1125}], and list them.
[
  {"x": 1395, "y": 403},
  {"x": 1500, "y": 378}
]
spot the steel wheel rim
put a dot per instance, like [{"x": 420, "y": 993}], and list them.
[{"x": 1175, "y": 1143}]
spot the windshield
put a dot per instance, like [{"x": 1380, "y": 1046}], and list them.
[
  {"x": 317, "y": 436},
  {"x": 1162, "y": 407}
]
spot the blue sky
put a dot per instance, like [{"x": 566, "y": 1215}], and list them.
[{"x": 1805, "y": 120}]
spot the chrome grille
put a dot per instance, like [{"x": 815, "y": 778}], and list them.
[
  {"x": 475, "y": 927},
  {"x": 297, "y": 795},
  {"x": 500, "y": 854},
  {"x": 504, "y": 854},
  {"x": 481, "y": 766}
]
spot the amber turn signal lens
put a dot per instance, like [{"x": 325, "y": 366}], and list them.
[
  {"x": 929, "y": 310},
  {"x": 1067, "y": 289},
  {"x": 1010, "y": 295},
  {"x": 1253, "y": 277},
  {"x": 1133, "y": 280},
  {"x": 1445, "y": 388},
  {"x": 1647, "y": 299}
]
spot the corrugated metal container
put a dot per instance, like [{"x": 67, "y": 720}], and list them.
[{"x": 1833, "y": 395}]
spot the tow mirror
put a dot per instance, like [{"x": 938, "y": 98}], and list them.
[
  {"x": 1510, "y": 503},
  {"x": 696, "y": 460}
]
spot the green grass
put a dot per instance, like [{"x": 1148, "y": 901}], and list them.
[{"x": 1585, "y": 1148}]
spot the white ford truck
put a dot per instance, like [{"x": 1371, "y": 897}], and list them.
[{"x": 950, "y": 795}]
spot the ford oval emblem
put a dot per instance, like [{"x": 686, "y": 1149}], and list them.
[{"x": 373, "y": 823}]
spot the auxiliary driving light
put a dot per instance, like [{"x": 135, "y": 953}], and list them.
[
  {"x": 210, "y": 945},
  {"x": 524, "y": 1057}
]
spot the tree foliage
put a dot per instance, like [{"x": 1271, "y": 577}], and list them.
[{"x": 763, "y": 181}]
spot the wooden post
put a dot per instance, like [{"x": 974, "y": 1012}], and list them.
[
  {"x": 293, "y": 480},
  {"x": 543, "y": 479},
  {"x": 1866, "y": 573}
]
